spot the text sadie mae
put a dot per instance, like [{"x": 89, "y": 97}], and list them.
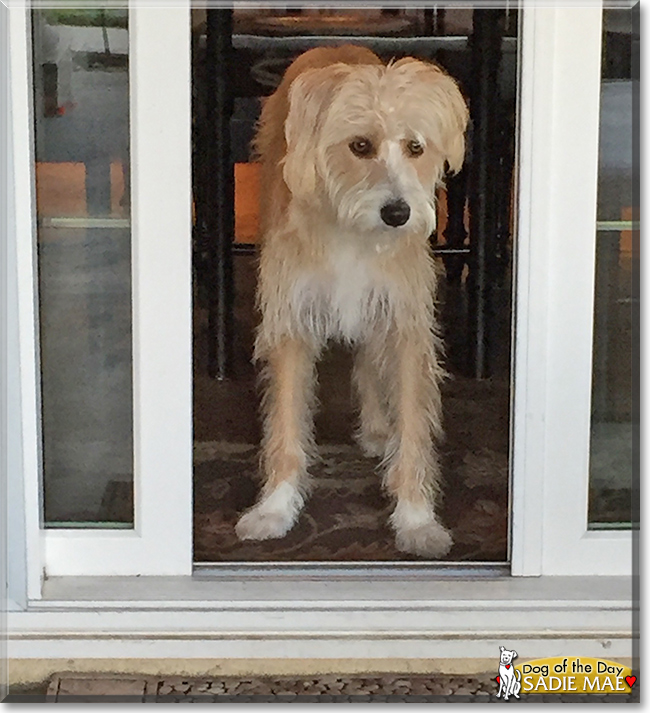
[{"x": 573, "y": 675}]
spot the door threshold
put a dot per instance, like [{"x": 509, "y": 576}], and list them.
[{"x": 351, "y": 570}]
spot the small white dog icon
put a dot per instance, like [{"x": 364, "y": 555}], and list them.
[{"x": 509, "y": 677}]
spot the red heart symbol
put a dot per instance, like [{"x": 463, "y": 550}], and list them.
[
  {"x": 498, "y": 679},
  {"x": 507, "y": 665},
  {"x": 631, "y": 680}
]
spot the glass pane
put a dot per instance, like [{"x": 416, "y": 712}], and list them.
[
  {"x": 614, "y": 393},
  {"x": 81, "y": 105}
]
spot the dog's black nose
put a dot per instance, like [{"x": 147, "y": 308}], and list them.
[{"x": 395, "y": 213}]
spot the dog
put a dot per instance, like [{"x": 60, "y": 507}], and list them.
[
  {"x": 509, "y": 677},
  {"x": 351, "y": 153}
]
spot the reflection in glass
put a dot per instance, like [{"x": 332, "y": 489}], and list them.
[
  {"x": 614, "y": 415},
  {"x": 81, "y": 105}
]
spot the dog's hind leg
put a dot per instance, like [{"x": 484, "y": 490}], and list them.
[
  {"x": 374, "y": 427},
  {"x": 288, "y": 441},
  {"x": 413, "y": 472}
]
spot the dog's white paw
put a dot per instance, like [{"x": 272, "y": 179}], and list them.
[
  {"x": 431, "y": 540},
  {"x": 273, "y": 516},
  {"x": 258, "y": 525},
  {"x": 418, "y": 532}
]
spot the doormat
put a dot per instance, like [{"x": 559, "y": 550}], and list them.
[{"x": 330, "y": 688}]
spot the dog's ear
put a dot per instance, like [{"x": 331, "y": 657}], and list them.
[
  {"x": 502, "y": 649},
  {"x": 309, "y": 96},
  {"x": 441, "y": 98}
]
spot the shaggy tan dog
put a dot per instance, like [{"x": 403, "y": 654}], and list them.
[{"x": 352, "y": 151}]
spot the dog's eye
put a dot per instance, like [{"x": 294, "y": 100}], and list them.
[
  {"x": 362, "y": 147},
  {"x": 414, "y": 148}
]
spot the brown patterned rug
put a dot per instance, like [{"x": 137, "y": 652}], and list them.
[{"x": 346, "y": 516}]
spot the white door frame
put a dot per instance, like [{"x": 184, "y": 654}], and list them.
[
  {"x": 556, "y": 247},
  {"x": 554, "y": 315},
  {"x": 161, "y": 224}
]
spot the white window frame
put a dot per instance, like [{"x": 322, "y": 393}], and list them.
[
  {"x": 552, "y": 383},
  {"x": 160, "y": 101},
  {"x": 556, "y": 249}
]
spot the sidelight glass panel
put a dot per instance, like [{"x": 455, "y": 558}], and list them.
[
  {"x": 615, "y": 389},
  {"x": 81, "y": 107}
]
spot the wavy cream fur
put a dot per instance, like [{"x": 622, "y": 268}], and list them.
[{"x": 331, "y": 268}]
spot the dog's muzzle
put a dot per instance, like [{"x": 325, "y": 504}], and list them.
[{"x": 395, "y": 213}]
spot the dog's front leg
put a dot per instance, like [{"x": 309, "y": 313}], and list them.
[
  {"x": 507, "y": 690},
  {"x": 374, "y": 426},
  {"x": 290, "y": 376},
  {"x": 413, "y": 472},
  {"x": 501, "y": 687}
]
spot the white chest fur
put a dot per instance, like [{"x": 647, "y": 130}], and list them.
[{"x": 343, "y": 299}]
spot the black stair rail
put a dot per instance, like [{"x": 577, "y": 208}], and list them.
[
  {"x": 220, "y": 192},
  {"x": 505, "y": 167},
  {"x": 434, "y": 21},
  {"x": 483, "y": 188},
  {"x": 455, "y": 233}
]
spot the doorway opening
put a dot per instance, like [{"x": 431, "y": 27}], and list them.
[{"x": 346, "y": 517}]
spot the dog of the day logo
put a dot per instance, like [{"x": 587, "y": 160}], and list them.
[{"x": 562, "y": 675}]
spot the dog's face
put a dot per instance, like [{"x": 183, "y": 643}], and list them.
[
  {"x": 373, "y": 142},
  {"x": 507, "y": 656}
]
